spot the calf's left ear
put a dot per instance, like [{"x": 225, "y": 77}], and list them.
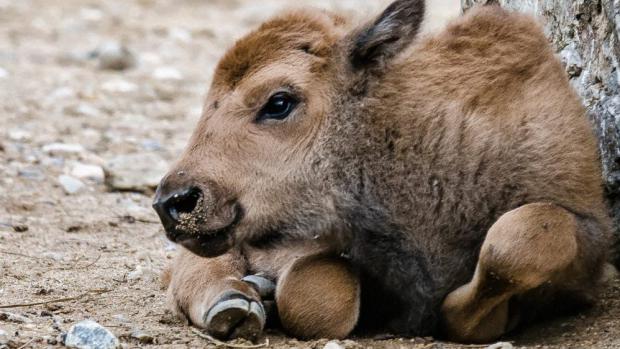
[{"x": 376, "y": 43}]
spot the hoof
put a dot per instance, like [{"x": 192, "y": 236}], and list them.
[
  {"x": 235, "y": 316},
  {"x": 265, "y": 287}
]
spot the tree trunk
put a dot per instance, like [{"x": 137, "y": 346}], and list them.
[{"x": 585, "y": 34}]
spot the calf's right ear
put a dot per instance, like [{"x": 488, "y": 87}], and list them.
[{"x": 376, "y": 43}]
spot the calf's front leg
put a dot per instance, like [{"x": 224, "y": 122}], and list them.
[{"x": 209, "y": 293}]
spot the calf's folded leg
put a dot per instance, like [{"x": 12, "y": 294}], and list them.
[
  {"x": 318, "y": 296},
  {"x": 536, "y": 246}
]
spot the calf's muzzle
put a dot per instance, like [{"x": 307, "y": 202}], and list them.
[{"x": 197, "y": 216}]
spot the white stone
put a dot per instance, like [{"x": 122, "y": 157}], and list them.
[
  {"x": 114, "y": 56},
  {"x": 167, "y": 73},
  {"x": 91, "y": 172},
  {"x": 4, "y": 337},
  {"x": 88, "y": 334},
  {"x": 19, "y": 135},
  {"x": 500, "y": 345},
  {"x": 135, "y": 172},
  {"x": 83, "y": 109},
  {"x": 119, "y": 86},
  {"x": 71, "y": 185},
  {"x": 62, "y": 93},
  {"x": 142, "y": 273},
  {"x": 333, "y": 345},
  {"x": 63, "y": 148},
  {"x": 180, "y": 34},
  {"x": 3, "y": 73}
]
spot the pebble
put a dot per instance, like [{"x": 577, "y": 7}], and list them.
[
  {"x": 151, "y": 145},
  {"x": 114, "y": 56},
  {"x": 31, "y": 173},
  {"x": 3, "y": 73},
  {"x": 143, "y": 337},
  {"x": 167, "y": 73},
  {"x": 4, "y": 337},
  {"x": 140, "y": 172},
  {"x": 500, "y": 345},
  {"x": 333, "y": 345},
  {"x": 90, "y": 172},
  {"x": 12, "y": 317},
  {"x": 119, "y": 86},
  {"x": 54, "y": 255},
  {"x": 180, "y": 34},
  {"x": 88, "y": 334},
  {"x": 63, "y": 148},
  {"x": 19, "y": 135},
  {"x": 83, "y": 109},
  {"x": 142, "y": 273},
  {"x": 71, "y": 185}
]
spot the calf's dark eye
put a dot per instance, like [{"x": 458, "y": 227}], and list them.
[{"x": 279, "y": 107}]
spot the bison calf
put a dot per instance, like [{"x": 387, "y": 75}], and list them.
[{"x": 445, "y": 185}]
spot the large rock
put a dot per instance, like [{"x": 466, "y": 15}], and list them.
[
  {"x": 585, "y": 34},
  {"x": 139, "y": 172},
  {"x": 88, "y": 334}
]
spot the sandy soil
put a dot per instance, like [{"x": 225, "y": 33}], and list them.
[{"x": 103, "y": 248}]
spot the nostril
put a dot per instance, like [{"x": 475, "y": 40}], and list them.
[{"x": 184, "y": 202}]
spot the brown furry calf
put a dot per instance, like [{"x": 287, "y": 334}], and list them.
[{"x": 414, "y": 185}]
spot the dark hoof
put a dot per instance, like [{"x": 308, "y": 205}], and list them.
[
  {"x": 235, "y": 316},
  {"x": 265, "y": 287}
]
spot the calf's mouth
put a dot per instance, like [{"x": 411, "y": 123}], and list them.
[{"x": 199, "y": 223}]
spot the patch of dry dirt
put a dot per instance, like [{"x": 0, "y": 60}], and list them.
[{"x": 106, "y": 249}]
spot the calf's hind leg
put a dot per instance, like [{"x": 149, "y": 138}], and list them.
[
  {"x": 534, "y": 246},
  {"x": 209, "y": 293}
]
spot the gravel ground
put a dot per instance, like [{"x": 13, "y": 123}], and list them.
[{"x": 91, "y": 252}]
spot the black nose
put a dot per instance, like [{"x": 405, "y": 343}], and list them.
[{"x": 171, "y": 206}]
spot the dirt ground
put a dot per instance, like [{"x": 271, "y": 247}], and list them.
[{"x": 95, "y": 252}]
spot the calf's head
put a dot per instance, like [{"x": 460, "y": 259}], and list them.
[{"x": 252, "y": 168}]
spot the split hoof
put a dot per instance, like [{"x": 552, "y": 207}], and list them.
[{"x": 235, "y": 316}]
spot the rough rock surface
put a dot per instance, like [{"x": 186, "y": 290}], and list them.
[
  {"x": 585, "y": 34},
  {"x": 88, "y": 334}
]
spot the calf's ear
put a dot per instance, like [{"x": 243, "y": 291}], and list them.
[{"x": 376, "y": 43}]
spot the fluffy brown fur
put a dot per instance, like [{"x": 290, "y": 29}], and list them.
[{"x": 402, "y": 153}]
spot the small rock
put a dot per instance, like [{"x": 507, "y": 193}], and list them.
[
  {"x": 88, "y": 334},
  {"x": 20, "y": 228},
  {"x": 31, "y": 173},
  {"x": 54, "y": 255},
  {"x": 83, "y": 109},
  {"x": 114, "y": 56},
  {"x": 167, "y": 73},
  {"x": 500, "y": 345},
  {"x": 119, "y": 86},
  {"x": 4, "y": 337},
  {"x": 71, "y": 185},
  {"x": 573, "y": 63},
  {"x": 333, "y": 345},
  {"x": 120, "y": 318},
  {"x": 143, "y": 337},
  {"x": 142, "y": 273},
  {"x": 180, "y": 34},
  {"x": 91, "y": 172},
  {"x": 135, "y": 172},
  {"x": 63, "y": 148},
  {"x": 62, "y": 93},
  {"x": 151, "y": 145},
  {"x": 12, "y": 317},
  {"x": 19, "y": 135},
  {"x": 3, "y": 73}
]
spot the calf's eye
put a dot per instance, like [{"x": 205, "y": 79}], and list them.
[{"x": 279, "y": 107}]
